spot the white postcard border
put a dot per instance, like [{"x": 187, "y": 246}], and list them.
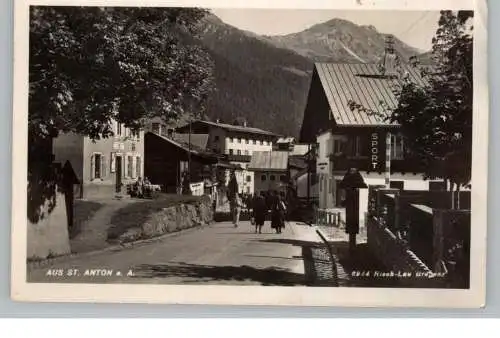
[{"x": 21, "y": 290}]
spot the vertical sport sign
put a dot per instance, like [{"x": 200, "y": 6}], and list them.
[
  {"x": 377, "y": 152},
  {"x": 374, "y": 152}
]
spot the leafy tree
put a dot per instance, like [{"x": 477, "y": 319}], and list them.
[
  {"x": 91, "y": 65},
  {"x": 436, "y": 118}
]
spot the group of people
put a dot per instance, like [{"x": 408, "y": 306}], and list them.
[
  {"x": 140, "y": 188},
  {"x": 259, "y": 205}
]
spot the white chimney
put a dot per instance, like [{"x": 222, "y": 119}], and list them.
[
  {"x": 245, "y": 123},
  {"x": 390, "y": 57}
]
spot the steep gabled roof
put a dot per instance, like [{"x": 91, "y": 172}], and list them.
[
  {"x": 197, "y": 140},
  {"x": 194, "y": 150},
  {"x": 363, "y": 84}
]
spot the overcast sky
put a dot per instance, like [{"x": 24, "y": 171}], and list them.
[{"x": 416, "y": 28}]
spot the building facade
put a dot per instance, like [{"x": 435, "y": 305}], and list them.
[
  {"x": 237, "y": 143},
  {"x": 104, "y": 166},
  {"x": 170, "y": 158},
  {"x": 348, "y": 137},
  {"x": 271, "y": 171}
]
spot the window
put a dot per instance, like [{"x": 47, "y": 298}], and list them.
[
  {"x": 246, "y": 152},
  {"x": 272, "y": 178},
  {"x": 130, "y": 164},
  {"x": 183, "y": 166},
  {"x": 263, "y": 177},
  {"x": 138, "y": 166},
  {"x": 163, "y": 130},
  {"x": 397, "y": 147},
  {"x": 249, "y": 178},
  {"x": 248, "y": 190},
  {"x": 239, "y": 140},
  {"x": 155, "y": 128},
  {"x": 246, "y": 141},
  {"x": 253, "y": 141},
  {"x": 97, "y": 166},
  {"x": 397, "y": 185},
  {"x": 283, "y": 178},
  {"x": 337, "y": 146},
  {"x": 119, "y": 129},
  {"x": 239, "y": 152},
  {"x": 436, "y": 185},
  {"x": 216, "y": 138},
  {"x": 134, "y": 134},
  {"x": 230, "y": 151},
  {"x": 358, "y": 146}
]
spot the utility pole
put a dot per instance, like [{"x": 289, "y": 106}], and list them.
[
  {"x": 308, "y": 173},
  {"x": 189, "y": 149}
]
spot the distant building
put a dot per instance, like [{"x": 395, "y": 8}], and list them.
[
  {"x": 270, "y": 170},
  {"x": 104, "y": 166},
  {"x": 168, "y": 158},
  {"x": 237, "y": 143},
  {"x": 351, "y": 138}
]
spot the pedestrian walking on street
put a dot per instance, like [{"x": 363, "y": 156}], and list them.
[
  {"x": 232, "y": 195},
  {"x": 259, "y": 212},
  {"x": 237, "y": 205},
  {"x": 277, "y": 213}
]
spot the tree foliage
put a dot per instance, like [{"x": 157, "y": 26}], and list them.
[
  {"x": 89, "y": 65},
  {"x": 436, "y": 118}
]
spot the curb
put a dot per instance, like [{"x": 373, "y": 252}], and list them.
[
  {"x": 112, "y": 248},
  {"x": 343, "y": 278}
]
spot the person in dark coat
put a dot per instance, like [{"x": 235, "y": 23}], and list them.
[
  {"x": 232, "y": 196},
  {"x": 259, "y": 209},
  {"x": 277, "y": 213}
]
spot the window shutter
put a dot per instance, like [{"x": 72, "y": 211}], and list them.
[
  {"x": 103, "y": 166},
  {"x": 92, "y": 167}
]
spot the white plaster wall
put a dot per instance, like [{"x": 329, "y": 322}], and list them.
[
  {"x": 232, "y": 143},
  {"x": 50, "y": 235},
  {"x": 267, "y": 185}
]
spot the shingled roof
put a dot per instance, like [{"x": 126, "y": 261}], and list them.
[{"x": 363, "y": 84}]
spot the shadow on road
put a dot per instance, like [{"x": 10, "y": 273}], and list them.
[{"x": 207, "y": 273}]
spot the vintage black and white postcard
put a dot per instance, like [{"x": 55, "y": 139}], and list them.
[{"x": 309, "y": 153}]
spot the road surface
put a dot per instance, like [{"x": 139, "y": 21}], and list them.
[{"x": 215, "y": 254}]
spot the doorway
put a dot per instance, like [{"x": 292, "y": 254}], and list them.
[{"x": 118, "y": 166}]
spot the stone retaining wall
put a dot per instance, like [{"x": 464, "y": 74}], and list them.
[{"x": 171, "y": 219}]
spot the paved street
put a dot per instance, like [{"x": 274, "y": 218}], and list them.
[{"x": 216, "y": 254}]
